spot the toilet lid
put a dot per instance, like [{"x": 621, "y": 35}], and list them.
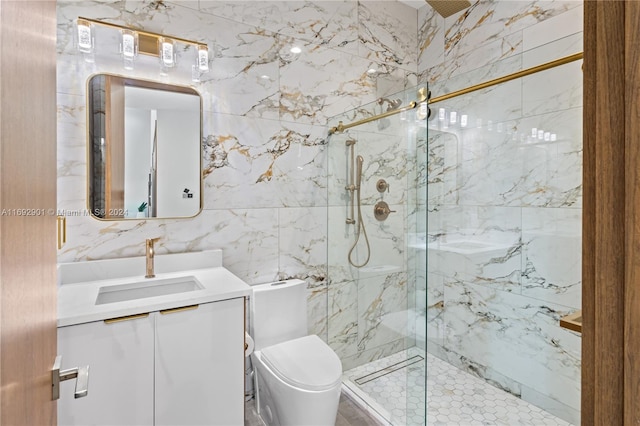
[{"x": 306, "y": 363}]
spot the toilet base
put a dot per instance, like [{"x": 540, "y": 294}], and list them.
[{"x": 280, "y": 404}]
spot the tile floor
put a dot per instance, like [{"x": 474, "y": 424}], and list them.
[{"x": 454, "y": 396}]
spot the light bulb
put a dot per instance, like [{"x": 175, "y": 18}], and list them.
[
  {"x": 166, "y": 52},
  {"x": 85, "y": 36},
  {"x": 129, "y": 48},
  {"x": 203, "y": 58},
  {"x": 129, "y": 43}
]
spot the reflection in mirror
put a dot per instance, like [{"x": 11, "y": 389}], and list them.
[{"x": 144, "y": 142}]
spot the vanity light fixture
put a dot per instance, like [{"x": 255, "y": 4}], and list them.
[
  {"x": 166, "y": 54},
  {"x": 85, "y": 36},
  {"x": 129, "y": 47},
  {"x": 202, "y": 63},
  {"x": 134, "y": 41},
  {"x": 203, "y": 58}
]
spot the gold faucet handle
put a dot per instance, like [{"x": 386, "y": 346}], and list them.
[{"x": 152, "y": 240}]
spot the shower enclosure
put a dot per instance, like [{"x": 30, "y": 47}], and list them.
[
  {"x": 377, "y": 254},
  {"x": 479, "y": 253}
]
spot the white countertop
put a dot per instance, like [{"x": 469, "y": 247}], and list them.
[{"x": 77, "y": 300}]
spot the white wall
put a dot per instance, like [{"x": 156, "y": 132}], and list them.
[
  {"x": 178, "y": 162},
  {"x": 137, "y": 148}
]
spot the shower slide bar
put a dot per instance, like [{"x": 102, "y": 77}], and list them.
[
  {"x": 354, "y": 187},
  {"x": 542, "y": 67},
  {"x": 351, "y": 187}
]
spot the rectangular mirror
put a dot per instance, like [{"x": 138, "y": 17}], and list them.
[{"x": 144, "y": 149}]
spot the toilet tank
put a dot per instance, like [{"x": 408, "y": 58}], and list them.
[{"x": 278, "y": 312}]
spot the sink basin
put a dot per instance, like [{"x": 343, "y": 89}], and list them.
[{"x": 144, "y": 289}]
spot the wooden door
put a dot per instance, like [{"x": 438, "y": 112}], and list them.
[
  {"x": 27, "y": 211},
  {"x": 611, "y": 214}
]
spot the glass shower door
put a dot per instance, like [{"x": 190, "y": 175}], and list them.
[{"x": 377, "y": 256}]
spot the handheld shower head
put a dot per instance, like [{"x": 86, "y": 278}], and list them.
[{"x": 359, "y": 161}]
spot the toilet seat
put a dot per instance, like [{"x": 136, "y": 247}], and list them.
[{"x": 307, "y": 363}]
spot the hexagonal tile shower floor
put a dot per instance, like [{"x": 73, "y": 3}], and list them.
[{"x": 454, "y": 397}]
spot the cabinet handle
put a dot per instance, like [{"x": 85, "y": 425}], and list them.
[
  {"x": 127, "y": 318},
  {"x": 176, "y": 310}
]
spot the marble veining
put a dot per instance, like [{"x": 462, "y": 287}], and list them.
[
  {"x": 388, "y": 32},
  {"x": 325, "y": 23},
  {"x": 486, "y": 325},
  {"x": 492, "y": 20},
  {"x": 494, "y": 312},
  {"x": 430, "y": 38}
]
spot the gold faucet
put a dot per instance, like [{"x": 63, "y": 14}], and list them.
[{"x": 150, "y": 252}]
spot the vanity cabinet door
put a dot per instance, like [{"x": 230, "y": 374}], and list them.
[
  {"x": 199, "y": 365},
  {"x": 120, "y": 359}
]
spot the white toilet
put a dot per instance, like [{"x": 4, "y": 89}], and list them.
[{"x": 297, "y": 376}]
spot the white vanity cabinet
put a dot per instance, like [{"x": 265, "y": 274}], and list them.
[
  {"x": 199, "y": 365},
  {"x": 178, "y": 366},
  {"x": 120, "y": 359}
]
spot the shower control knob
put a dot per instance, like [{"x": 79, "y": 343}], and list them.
[
  {"x": 381, "y": 210},
  {"x": 382, "y": 186}
]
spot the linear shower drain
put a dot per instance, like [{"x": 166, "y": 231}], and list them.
[{"x": 387, "y": 370}]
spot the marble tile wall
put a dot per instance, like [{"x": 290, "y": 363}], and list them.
[
  {"x": 505, "y": 197},
  {"x": 264, "y": 126}
]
